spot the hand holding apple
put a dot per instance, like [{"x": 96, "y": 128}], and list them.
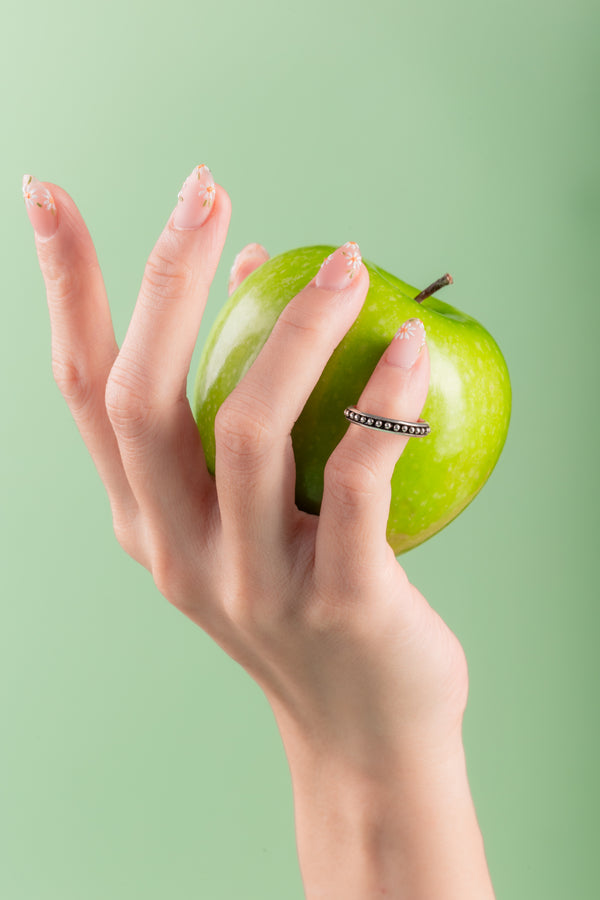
[
  {"x": 468, "y": 403},
  {"x": 367, "y": 684}
]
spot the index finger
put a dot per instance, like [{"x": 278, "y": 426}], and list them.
[{"x": 84, "y": 346}]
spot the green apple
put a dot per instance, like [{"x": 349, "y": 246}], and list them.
[{"x": 468, "y": 403}]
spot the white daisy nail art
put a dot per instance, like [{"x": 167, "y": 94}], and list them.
[
  {"x": 351, "y": 251},
  {"x": 40, "y": 206},
  {"x": 36, "y": 194},
  {"x": 407, "y": 344},
  {"x": 206, "y": 191},
  {"x": 409, "y": 328},
  {"x": 195, "y": 199},
  {"x": 339, "y": 268}
]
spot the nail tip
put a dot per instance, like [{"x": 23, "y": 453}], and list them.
[
  {"x": 407, "y": 329},
  {"x": 194, "y": 214},
  {"x": 337, "y": 270},
  {"x": 25, "y": 181},
  {"x": 40, "y": 206}
]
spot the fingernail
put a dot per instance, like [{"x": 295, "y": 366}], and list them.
[
  {"x": 40, "y": 206},
  {"x": 406, "y": 344},
  {"x": 195, "y": 199},
  {"x": 248, "y": 259},
  {"x": 340, "y": 269}
]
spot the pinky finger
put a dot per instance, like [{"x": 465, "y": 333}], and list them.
[{"x": 351, "y": 535}]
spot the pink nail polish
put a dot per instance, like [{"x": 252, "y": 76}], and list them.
[
  {"x": 340, "y": 269},
  {"x": 248, "y": 259},
  {"x": 40, "y": 206},
  {"x": 407, "y": 343},
  {"x": 195, "y": 199}
]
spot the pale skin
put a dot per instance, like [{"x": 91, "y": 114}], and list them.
[{"x": 367, "y": 684}]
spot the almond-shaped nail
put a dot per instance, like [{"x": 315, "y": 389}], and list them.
[
  {"x": 195, "y": 199},
  {"x": 340, "y": 268},
  {"x": 40, "y": 206},
  {"x": 406, "y": 344}
]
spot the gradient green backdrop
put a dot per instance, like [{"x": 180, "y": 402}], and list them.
[{"x": 137, "y": 760}]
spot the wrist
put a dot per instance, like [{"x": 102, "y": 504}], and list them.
[
  {"x": 351, "y": 781},
  {"x": 371, "y": 753},
  {"x": 410, "y": 831}
]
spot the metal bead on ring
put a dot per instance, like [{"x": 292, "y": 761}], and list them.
[{"x": 379, "y": 423}]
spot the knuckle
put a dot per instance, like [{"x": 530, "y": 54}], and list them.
[
  {"x": 124, "y": 527},
  {"x": 166, "y": 573},
  {"x": 257, "y": 600},
  {"x": 252, "y": 615},
  {"x": 127, "y": 403},
  {"x": 242, "y": 428},
  {"x": 125, "y": 539},
  {"x": 352, "y": 478},
  {"x": 166, "y": 279},
  {"x": 63, "y": 283},
  {"x": 176, "y": 579},
  {"x": 73, "y": 379},
  {"x": 300, "y": 322}
]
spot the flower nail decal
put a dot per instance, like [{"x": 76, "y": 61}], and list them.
[
  {"x": 207, "y": 189},
  {"x": 40, "y": 207},
  {"x": 407, "y": 344},
  {"x": 351, "y": 251},
  {"x": 409, "y": 328},
  {"x": 339, "y": 268},
  {"x": 195, "y": 199},
  {"x": 35, "y": 194}
]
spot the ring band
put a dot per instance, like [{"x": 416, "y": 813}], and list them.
[{"x": 411, "y": 429}]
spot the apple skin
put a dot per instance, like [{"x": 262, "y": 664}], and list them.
[{"x": 468, "y": 404}]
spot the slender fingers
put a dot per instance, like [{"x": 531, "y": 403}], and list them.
[
  {"x": 255, "y": 468},
  {"x": 351, "y": 536},
  {"x": 146, "y": 392},
  {"x": 248, "y": 259},
  {"x": 83, "y": 340}
]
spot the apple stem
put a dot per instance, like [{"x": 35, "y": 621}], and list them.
[{"x": 440, "y": 283}]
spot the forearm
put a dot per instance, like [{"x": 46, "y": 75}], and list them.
[{"x": 411, "y": 836}]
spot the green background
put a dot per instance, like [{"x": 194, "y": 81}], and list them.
[{"x": 136, "y": 759}]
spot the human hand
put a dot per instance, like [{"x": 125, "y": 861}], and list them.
[{"x": 356, "y": 665}]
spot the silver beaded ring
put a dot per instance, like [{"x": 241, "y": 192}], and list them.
[{"x": 397, "y": 426}]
